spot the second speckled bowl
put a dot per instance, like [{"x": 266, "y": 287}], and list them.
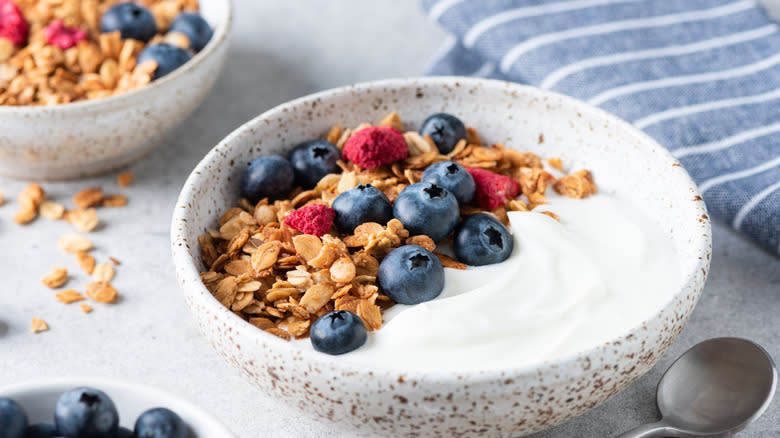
[{"x": 400, "y": 402}]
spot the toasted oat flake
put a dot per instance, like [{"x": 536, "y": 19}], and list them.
[
  {"x": 83, "y": 220},
  {"x": 56, "y": 278},
  {"x": 449, "y": 262},
  {"x": 74, "y": 243},
  {"x": 88, "y": 197},
  {"x": 86, "y": 262},
  {"x": 86, "y": 308},
  {"x": 114, "y": 201},
  {"x": 38, "y": 325},
  {"x": 69, "y": 296},
  {"x": 30, "y": 199},
  {"x": 103, "y": 272},
  {"x": 51, "y": 210},
  {"x": 555, "y": 163},
  {"x": 124, "y": 179},
  {"x": 114, "y": 261},
  {"x": 102, "y": 292}
]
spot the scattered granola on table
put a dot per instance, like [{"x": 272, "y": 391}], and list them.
[
  {"x": 282, "y": 264},
  {"x": 60, "y": 51}
]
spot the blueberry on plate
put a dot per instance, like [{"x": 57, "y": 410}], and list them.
[
  {"x": 13, "y": 419},
  {"x": 411, "y": 274},
  {"x": 364, "y": 203},
  {"x": 482, "y": 240},
  {"x": 160, "y": 423},
  {"x": 41, "y": 430},
  {"x": 131, "y": 20},
  {"x": 445, "y": 130},
  {"x": 195, "y": 27},
  {"x": 125, "y": 433},
  {"x": 86, "y": 413},
  {"x": 426, "y": 208},
  {"x": 269, "y": 176},
  {"x": 453, "y": 177},
  {"x": 167, "y": 56},
  {"x": 338, "y": 332},
  {"x": 311, "y": 160}
]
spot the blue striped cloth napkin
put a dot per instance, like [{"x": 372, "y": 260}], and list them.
[{"x": 702, "y": 77}]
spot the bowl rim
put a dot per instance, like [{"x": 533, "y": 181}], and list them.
[
  {"x": 109, "y": 385},
  {"x": 188, "y": 272},
  {"x": 107, "y": 103}
]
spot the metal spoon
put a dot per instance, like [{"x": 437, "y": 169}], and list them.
[{"x": 716, "y": 388}]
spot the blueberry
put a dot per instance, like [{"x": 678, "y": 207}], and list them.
[
  {"x": 195, "y": 27},
  {"x": 267, "y": 177},
  {"x": 482, "y": 240},
  {"x": 311, "y": 160},
  {"x": 411, "y": 275},
  {"x": 41, "y": 430},
  {"x": 168, "y": 58},
  {"x": 445, "y": 130},
  {"x": 426, "y": 208},
  {"x": 453, "y": 177},
  {"x": 125, "y": 433},
  {"x": 131, "y": 20},
  {"x": 86, "y": 413},
  {"x": 364, "y": 203},
  {"x": 160, "y": 423},
  {"x": 338, "y": 332},
  {"x": 13, "y": 420}
]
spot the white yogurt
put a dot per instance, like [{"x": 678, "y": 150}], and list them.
[{"x": 567, "y": 287}]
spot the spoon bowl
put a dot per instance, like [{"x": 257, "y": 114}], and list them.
[{"x": 716, "y": 388}]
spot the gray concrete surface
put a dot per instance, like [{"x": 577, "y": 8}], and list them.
[{"x": 283, "y": 50}]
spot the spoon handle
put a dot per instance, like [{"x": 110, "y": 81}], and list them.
[{"x": 652, "y": 430}]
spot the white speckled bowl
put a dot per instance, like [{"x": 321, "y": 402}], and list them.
[
  {"x": 86, "y": 138},
  {"x": 39, "y": 397},
  {"x": 399, "y": 402}
]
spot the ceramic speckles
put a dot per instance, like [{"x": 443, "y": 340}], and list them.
[
  {"x": 95, "y": 136},
  {"x": 397, "y": 402}
]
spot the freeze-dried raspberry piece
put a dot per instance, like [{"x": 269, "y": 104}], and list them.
[
  {"x": 492, "y": 189},
  {"x": 313, "y": 219},
  {"x": 12, "y": 24},
  {"x": 374, "y": 146},
  {"x": 56, "y": 33}
]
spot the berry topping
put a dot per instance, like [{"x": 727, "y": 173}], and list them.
[
  {"x": 374, "y": 146},
  {"x": 338, "y": 332},
  {"x": 160, "y": 423},
  {"x": 12, "y": 24},
  {"x": 453, "y": 177},
  {"x": 445, "y": 130},
  {"x": 492, "y": 189},
  {"x": 426, "y": 208},
  {"x": 57, "y": 34},
  {"x": 312, "y": 160},
  {"x": 167, "y": 56},
  {"x": 86, "y": 413},
  {"x": 267, "y": 177},
  {"x": 131, "y": 20},
  {"x": 195, "y": 27},
  {"x": 13, "y": 420},
  {"x": 313, "y": 219},
  {"x": 482, "y": 240},
  {"x": 411, "y": 275},
  {"x": 364, "y": 203}
]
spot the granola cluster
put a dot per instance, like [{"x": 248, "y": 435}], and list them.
[
  {"x": 33, "y": 203},
  {"x": 99, "y": 66},
  {"x": 281, "y": 280}
]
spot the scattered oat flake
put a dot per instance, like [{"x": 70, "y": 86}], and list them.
[
  {"x": 124, "y": 179},
  {"x": 74, "y": 243},
  {"x": 102, "y": 292},
  {"x": 103, "y": 272},
  {"x": 86, "y": 308},
  {"x": 86, "y": 262},
  {"x": 51, "y": 210},
  {"x": 1, "y": 198},
  {"x": 83, "y": 220},
  {"x": 114, "y": 201},
  {"x": 449, "y": 262},
  {"x": 69, "y": 296},
  {"x": 114, "y": 261},
  {"x": 38, "y": 325},
  {"x": 555, "y": 163},
  {"x": 56, "y": 278},
  {"x": 88, "y": 197}
]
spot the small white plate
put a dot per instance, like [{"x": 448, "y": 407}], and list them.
[{"x": 39, "y": 397}]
